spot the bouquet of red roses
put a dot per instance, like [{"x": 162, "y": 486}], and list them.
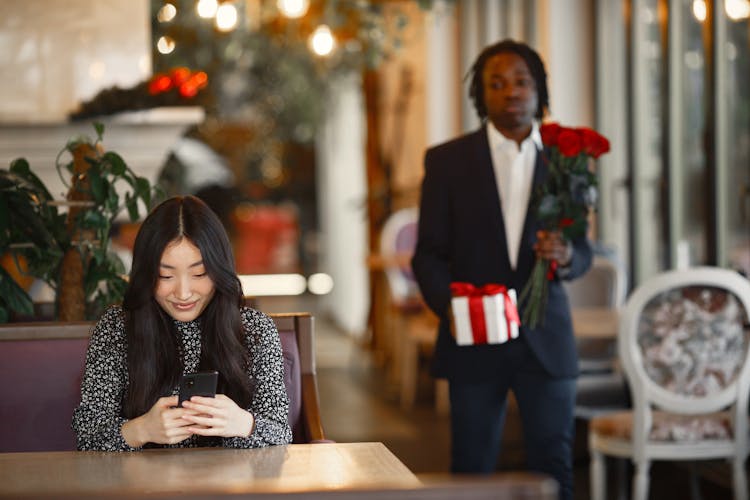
[{"x": 562, "y": 203}]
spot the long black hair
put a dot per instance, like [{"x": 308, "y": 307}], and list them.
[
  {"x": 532, "y": 60},
  {"x": 154, "y": 349}
]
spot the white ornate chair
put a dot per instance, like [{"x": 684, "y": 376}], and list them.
[{"x": 683, "y": 342}]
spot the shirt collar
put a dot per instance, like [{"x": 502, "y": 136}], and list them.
[{"x": 498, "y": 140}]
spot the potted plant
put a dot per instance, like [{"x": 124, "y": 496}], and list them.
[{"x": 70, "y": 250}]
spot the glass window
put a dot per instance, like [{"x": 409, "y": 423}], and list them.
[
  {"x": 648, "y": 196},
  {"x": 736, "y": 54},
  {"x": 692, "y": 213}
]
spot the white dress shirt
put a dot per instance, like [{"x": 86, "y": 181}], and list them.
[{"x": 514, "y": 173}]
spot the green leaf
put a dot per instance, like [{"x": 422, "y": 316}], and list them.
[
  {"x": 20, "y": 166},
  {"x": 132, "y": 204},
  {"x": 113, "y": 200},
  {"x": 4, "y": 316},
  {"x": 99, "y": 127},
  {"x": 118, "y": 164},
  {"x": 98, "y": 186},
  {"x": 143, "y": 190},
  {"x": 4, "y": 215},
  {"x": 15, "y": 296},
  {"x": 92, "y": 219}
]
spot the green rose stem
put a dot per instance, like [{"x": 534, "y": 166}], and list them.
[{"x": 534, "y": 295}]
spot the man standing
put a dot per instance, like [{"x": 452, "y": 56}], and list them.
[{"x": 476, "y": 226}]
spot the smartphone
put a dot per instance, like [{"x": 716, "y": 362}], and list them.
[{"x": 198, "y": 384}]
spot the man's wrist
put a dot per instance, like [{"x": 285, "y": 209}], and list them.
[{"x": 568, "y": 259}]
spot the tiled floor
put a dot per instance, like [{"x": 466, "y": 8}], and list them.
[{"x": 359, "y": 403}]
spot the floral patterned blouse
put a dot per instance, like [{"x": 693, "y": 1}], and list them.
[{"x": 98, "y": 419}]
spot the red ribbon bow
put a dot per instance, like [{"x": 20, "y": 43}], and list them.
[{"x": 476, "y": 306}]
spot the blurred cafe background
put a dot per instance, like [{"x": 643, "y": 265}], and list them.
[
  {"x": 307, "y": 124},
  {"x": 303, "y": 124}
]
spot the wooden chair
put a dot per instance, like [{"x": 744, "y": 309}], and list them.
[
  {"x": 41, "y": 366},
  {"x": 298, "y": 343},
  {"x": 684, "y": 342},
  {"x": 414, "y": 327}
]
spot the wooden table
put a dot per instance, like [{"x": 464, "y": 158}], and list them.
[
  {"x": 203, "y": 471},
  {"x": 595, "y": 322}
]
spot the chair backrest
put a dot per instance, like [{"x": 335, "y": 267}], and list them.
[
  {"x": 399, "y": 238},
  {"x": 41, "y": 366},
  {"x": 298, "y": 345},
  {"x": 684, "y": 342},
  {"x": 603, "y": 285}
]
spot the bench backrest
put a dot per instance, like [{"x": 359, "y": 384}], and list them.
[{"x": 41, "y": 366}]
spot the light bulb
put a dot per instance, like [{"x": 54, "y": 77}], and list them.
[
  {"x": 207, "y": 8},
  {"x": 293, "y": 8},
  {"x": 226, "y": 17},
  {"x": 322, "y": 41}
]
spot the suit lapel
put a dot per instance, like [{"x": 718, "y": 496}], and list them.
[{"x": 487, "y": 190}]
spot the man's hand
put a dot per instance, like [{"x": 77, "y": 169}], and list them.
[{"x": 551, "y": 245}]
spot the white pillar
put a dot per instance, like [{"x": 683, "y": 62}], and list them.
[
  {"x": 470, "y": 47},
  {"x": 443, "y": 76},
  {"x": 492, "y": 17},
  {"x": 342, "y": 192},
  {"x": 566, "y": 34}
]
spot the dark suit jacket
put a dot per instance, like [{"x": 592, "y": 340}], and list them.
[{"x": 462, "y": 238}]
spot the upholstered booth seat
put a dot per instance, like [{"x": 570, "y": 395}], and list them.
[{"x": 41, "y": 366}]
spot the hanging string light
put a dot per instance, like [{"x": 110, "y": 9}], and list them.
[
  {"x": 737, "y": 10},
  {"x": 699, "y": 10},
  {"x": 165, "y": 45},
  {"x": 207, "y": 8},
  {"x": 322, "y": 41},
  {"x": 166, "y": 13},
  {"x": 293, "y": 9},
  {"x": 226, "y": 17}
]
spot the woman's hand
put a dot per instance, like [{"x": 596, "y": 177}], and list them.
[
  {"x": 550, "y": 245},
  {"x": 219, "y": 416},
  {"x": 164, "y": 423}
]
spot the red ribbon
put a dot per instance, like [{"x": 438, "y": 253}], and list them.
[{"x": 476, "y": 306}]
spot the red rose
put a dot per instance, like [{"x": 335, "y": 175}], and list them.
[
  {"x": 549, "y": 133},
  {"x": 569, "y": 142},
  {"x": 594, "y": 144},
  {"x": 566, "y": 221}
]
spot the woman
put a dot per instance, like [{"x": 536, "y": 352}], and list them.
[{"x": 181, "y": 314}]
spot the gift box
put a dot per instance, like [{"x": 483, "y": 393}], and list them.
[{"x": 483, "y": 315}]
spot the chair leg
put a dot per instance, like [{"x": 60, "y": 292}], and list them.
[
  {"x": 409, "y": 366},
  {"x": 442, "y": 397},
  {"x": 598, "y": 476},
  {"x": 621, "y": 466},
  {"x": 640, "y": 480},
  {"x": 739, "y": 479},
  {"x": 695, "y": 487}
]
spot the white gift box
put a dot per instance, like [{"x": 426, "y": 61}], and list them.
[{"x": 496, "y": 327}]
